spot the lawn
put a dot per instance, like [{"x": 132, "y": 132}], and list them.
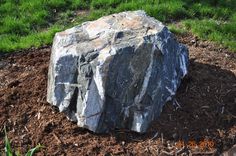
[{"x": 27, "y": 23}]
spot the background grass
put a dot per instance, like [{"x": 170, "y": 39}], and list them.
[{"x": 27, "y": 23}]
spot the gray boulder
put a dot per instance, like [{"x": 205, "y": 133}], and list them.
[{"x": 115, "y": 72}]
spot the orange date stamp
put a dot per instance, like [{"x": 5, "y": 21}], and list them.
[{"x": 204, "y": 144}]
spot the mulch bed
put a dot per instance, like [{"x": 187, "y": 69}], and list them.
[{"x": 201, "y": 120}]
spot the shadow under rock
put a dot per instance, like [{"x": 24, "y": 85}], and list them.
[{"x": 207, "y": 97}]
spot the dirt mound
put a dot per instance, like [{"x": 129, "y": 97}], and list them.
[{"x": 203, "y": 116}]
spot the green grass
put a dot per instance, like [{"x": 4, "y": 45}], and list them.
[
  {"x": 221, "y": 32},
  {"x": 177, "y": 30},
  {"x": 27, "y": 23},
  {"x": 10, "y": 42},
  {"x": 9, "y": 151}
]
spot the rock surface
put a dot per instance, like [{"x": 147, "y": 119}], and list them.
[{"x": 115, "y": 72}]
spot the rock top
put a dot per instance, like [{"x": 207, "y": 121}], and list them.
[{"x": 115, "y": 72}]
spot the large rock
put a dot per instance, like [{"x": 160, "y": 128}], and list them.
[{"x": 115, "y": 72}]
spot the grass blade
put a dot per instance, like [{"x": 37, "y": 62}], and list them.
[
  {"x": 33, "y": 150},
  {"x": 8, "y": 149}
]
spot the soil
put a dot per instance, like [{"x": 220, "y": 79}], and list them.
[{"x": 201, "y": 120}]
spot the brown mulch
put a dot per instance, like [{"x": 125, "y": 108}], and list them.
[{"x": 203, "y": 117}]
